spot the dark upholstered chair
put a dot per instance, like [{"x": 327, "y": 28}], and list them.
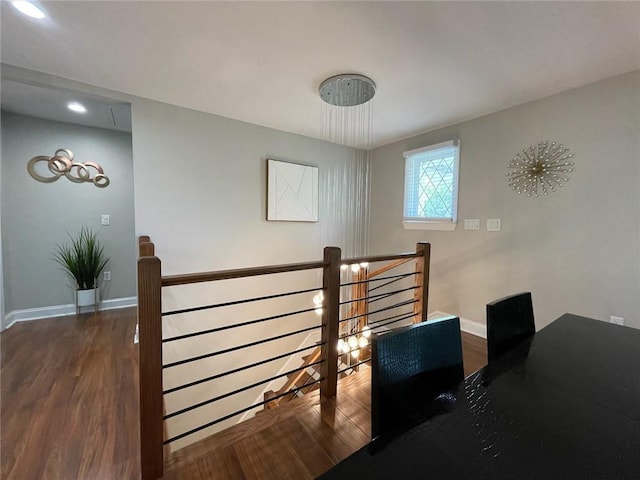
[
  {"x": 412, "y": 369},
  {"x": 509, "y": 322}
]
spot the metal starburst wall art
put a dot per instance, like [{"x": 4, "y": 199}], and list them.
[{"x": 540, "y": 169}]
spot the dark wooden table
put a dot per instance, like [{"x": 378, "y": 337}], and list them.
[{"x": 564, "y": 405}]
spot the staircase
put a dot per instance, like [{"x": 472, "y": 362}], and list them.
[{"x": 297, "y": 381}]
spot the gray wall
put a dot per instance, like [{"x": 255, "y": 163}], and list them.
[
  {"x": 577, "y": 250},
  {"x": 200, "y": 193},
  {"x": 200, "y": 181},
  {"x": 36, "y": 216}
]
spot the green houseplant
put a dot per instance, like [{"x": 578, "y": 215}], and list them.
[{"x": 83, "y": 259}]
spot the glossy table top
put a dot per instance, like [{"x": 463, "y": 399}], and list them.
[{"x": 564, "y": 405}]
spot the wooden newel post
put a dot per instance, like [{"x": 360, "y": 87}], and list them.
[
  {"x": 330, "y": 322},
  {"x": 150, "y": 359},
  {"x": 147, "y": 249},
  {"x": 145, "y": 246},
  {"x": 422, "y": 281}
]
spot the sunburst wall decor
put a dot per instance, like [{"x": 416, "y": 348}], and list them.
[{"x": 540, "y": 169}]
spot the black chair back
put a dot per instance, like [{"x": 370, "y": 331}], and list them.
[
  {"x": 411, "y": 369},
  {"x": 509, "y": 322}
]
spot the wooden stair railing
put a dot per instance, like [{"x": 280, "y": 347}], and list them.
[
  {"x": 360, "y": 308},
  {"x": 150, "y": 361},
  {"x": 150, "y": 283}
]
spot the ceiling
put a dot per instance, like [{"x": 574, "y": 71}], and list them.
[
  {"x": 434, "y": 63},
  {"x": 51, "y": 103}
]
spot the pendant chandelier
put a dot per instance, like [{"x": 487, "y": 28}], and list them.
[{"x": 347, "y": 110}]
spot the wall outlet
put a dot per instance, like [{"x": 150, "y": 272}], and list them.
[
  {"x": 616, "y": 320},
  {"x": 107, "y": 276},
  {"x": 494, "y": 225},
  {"x": 472, "y": 224},
  {"x": 106, "y": 220}
]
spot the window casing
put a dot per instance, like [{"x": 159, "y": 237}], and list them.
[{"x": 431, "y": 186}]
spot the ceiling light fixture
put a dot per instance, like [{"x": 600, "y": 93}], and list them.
[
  {"x": 76, "y": 107},
  {"x": 28, "y": 8},
  {"x": 348, "y": 109}
]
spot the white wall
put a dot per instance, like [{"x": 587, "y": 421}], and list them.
[
  {"x": 200, "y": 193},
  {"x": 36, "y": 216},
  {"x": 577, "y": 250}
]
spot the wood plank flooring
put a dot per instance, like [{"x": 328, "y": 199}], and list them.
[
  {"x": 69, "y": 410},
  {"x": 70, "y": 398}
]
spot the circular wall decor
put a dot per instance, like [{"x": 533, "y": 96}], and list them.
[
  {"x": 62, "y": 164},
  {"x": 540, "y": 169}
]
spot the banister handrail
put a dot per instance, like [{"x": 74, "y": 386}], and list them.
[
  {"x": 184, "y": 279},
  {"x": 388, "y": 266},
  {"x": 383, "y": 258}
]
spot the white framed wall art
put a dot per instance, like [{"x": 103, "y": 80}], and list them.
[{"x": 292, "y": 192}]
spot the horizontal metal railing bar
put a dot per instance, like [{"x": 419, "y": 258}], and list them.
[
  {"x": 238, "y": 302},
  {"x": 381, "y": 258},
  {"x": 350, "y": 367},
  {"x": 239, "y": 347},
  {"x": 394, "y": 316},
  {"x": 239, "y": 369},
  {"x": 173, "y": 280},
  {"x": 347, "y": 335},
  {"x": 231, "y": 415},
  {"x": 390, "y": 282},
  {"x": 356, "y": 316},
  {"x": 239, "y": 390},
  {"x": 403, "y": 275},
  {"x": 410, "y": 312},
  {"x": 381, "y": 296},
  {"x": 394, "y": 321},
  {"x": 377, "y": 296},
  {"x": 235, "y": 325},
  {"x": 395, "y": 305}
]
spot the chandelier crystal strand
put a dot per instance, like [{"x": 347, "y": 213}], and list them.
[
  {"x": 542, "y": 168},
  {"x": 346, "y": 111}
]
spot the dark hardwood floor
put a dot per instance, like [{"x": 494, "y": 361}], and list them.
[
  {"x": 69, "y": 398},
  {"x": 69, "y": 410}
]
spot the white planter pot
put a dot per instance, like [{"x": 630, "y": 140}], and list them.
[{"x": 85, "y": 298}]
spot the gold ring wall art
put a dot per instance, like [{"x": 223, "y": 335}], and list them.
[{"x": 62, "y": 164}]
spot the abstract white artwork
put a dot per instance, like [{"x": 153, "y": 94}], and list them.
[{"x": 292, "y": 192}]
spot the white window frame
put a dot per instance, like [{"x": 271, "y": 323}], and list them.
[{"x": 427, "y": 223}]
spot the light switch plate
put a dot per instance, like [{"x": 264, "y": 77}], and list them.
[
  {"x": 472, "y": 224},
  {"x": 106, "y": 220},
  {"x": 493, "y": 225},
  {"x": 616, "y": 320}
]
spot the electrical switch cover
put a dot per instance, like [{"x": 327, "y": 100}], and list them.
[
  {"x": 472, "y": 224},
  {"x": 493, "y": 225},
  {"x": 616, "y": 320}
]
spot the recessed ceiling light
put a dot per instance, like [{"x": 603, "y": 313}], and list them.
[
  {"x": 76, "y": 107},
  {"x": 28, "y": 8}
]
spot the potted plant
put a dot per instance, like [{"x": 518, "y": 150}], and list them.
[{"x": 84, "y": 260}]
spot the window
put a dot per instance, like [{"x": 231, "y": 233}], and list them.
[{"x": 431, "y": 187}]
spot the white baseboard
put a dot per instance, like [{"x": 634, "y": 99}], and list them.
[
  {"x": 29, "y": 314},
  {"x": 468, "y": 326},
  {"x": 474, "y": 328}
]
